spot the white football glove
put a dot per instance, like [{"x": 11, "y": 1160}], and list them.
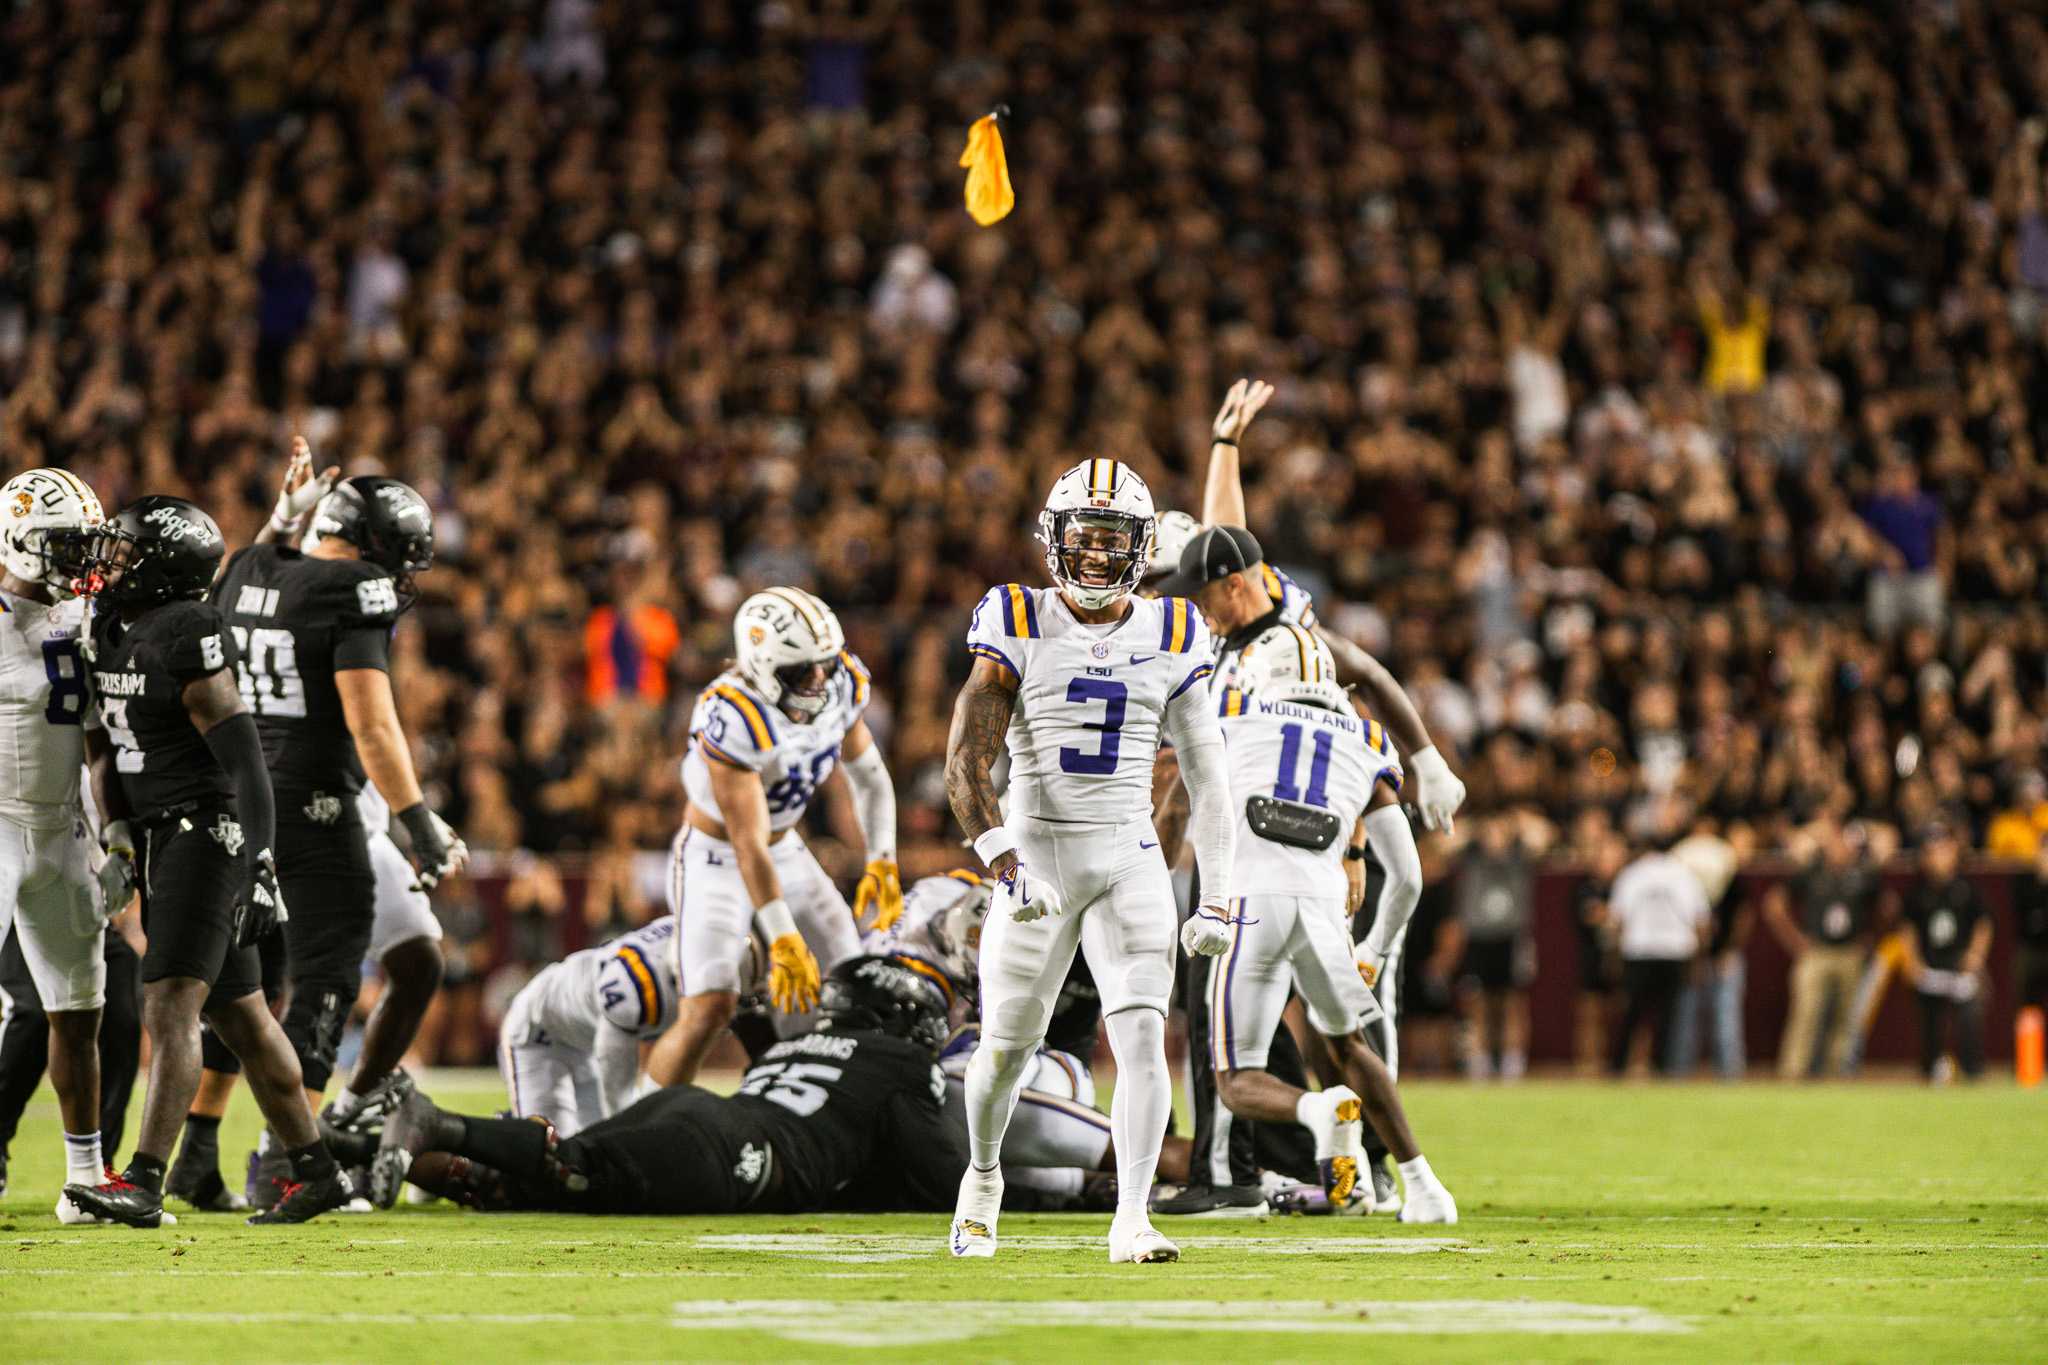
[
  {"x": 302, "y": 489},
  {"x": 1025, "y": 898},
  {"x": 117, "y": 872},
  {"x": 1438, "y": 792},
  {"x": 1207, "y": 932}
]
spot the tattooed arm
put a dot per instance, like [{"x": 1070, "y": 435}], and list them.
[{"x": 981, "y": 719}]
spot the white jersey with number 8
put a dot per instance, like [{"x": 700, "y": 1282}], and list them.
[{"x": 43, "y": 710}]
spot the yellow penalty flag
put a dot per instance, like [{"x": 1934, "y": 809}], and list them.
[{"x": 989, "y": 196}]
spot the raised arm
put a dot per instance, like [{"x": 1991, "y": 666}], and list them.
[
  {"x": 1223, "y": 490},
  {"x": 1438, "y": 791}
]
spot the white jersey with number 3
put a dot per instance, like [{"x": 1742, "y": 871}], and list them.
[
  {"x": 1309, "y": 755},
  {"x": 1091, "y": 700},
  {"x": 43, "y": 710}
]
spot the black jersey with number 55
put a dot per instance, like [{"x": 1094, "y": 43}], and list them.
[
  {"x": 139, "y": 674},
  {"x": 298, "y": 621}
]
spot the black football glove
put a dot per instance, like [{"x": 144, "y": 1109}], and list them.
[
  {"x": 438, "y": 852},
  {"x": 261, "y": 910}
]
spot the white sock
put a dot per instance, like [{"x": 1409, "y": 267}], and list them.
[
  {"x": 995, "y": 1077},
  {"x": 1416, "y": 1174},
  {"x": 1143, "y": 1103},
  {"x": 1311, "y": 1102},
  {"x": 82, "y": 1162}
]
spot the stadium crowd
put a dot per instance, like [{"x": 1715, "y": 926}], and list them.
[{"x": 1655, "y": 380}]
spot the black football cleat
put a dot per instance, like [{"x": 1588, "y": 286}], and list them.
[
  {"x": 268, "y": 1174},
  {"x": 120, "y": 1200},
  {"x": 408, "y": 1131},
  {"x": 303, "y": 1201},
  {"x": 376, "y": 1107},
  {"x": 202, "y": 1188},
  {"x": 1215, "y": 1201}
]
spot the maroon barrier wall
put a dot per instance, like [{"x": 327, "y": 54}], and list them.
[{"x": 1894, "y": 1037}]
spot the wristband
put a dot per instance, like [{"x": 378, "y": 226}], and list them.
[
  {"x": 774, "y": 919},
  {"x": 1224, "y": 441},
  {"x": 1355, "y": 854},
  {"x": 419, "y": 825},
  {"x": 993, "y": 844}
]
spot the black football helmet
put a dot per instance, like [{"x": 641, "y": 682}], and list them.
[
  {"x": 385, "y": 519},
  {"x": 890, "y": 995},
  {"x": 156, "y": 549}
]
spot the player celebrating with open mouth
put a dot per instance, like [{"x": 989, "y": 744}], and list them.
[{"x": 1081, "y": 680}]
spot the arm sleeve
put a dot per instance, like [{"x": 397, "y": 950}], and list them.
[
  {"x": 1393, "y": 843},
  {"x": 239, "y": 749},
  {"x": 874, "y": 802},
  {"x": 1198, "y": 743}
]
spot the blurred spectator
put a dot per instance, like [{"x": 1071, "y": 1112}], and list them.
[
  {"x": 1825, "y": 919},
  {"x": 2020, "y": 831},
  {"x": 2030, "y": 914},
  {"x": 1713, "y": 989},
  {"x": 1951, "y": 939},
  {"x": 1909, "y": 585},
  {"x": 626, "y": 649},
  {"x": 1596, "y": 1009},
  {"x": 1496, "y": 907},
  {"x": 1662, "y": 921},
  {"x": 1735, "y": 349}
]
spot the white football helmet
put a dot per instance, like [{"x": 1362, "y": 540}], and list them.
[
  {"x": 788, "y": 643},
  {"x": 47, "y": 521},
  {"x": 1288, "y": 663},
  {"x": 1176, "y": 529},
  {"x": 956, "y": 931},
  {"x": 1107, "y": 497}
]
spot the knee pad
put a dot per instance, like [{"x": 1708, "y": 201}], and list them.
[
  {"x": 314, "y": 1023},
  {"x": 1020, "y": 1020}
]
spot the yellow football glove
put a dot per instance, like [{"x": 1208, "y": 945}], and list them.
[
  {"x": 792, "y": 975},
  {"x": 880, "y": 890},
  {"x": 1370, "y": 965}
]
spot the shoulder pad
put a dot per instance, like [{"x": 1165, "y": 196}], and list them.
[
  {"x": 629, "y": 990},
  {"x": 1180, "y": 625},
  {"x": 733, "y": 723},
  {"x": 857, "y": 673},
  {"x": 1014, "y": 611}
]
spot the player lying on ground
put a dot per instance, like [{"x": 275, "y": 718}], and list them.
[
  {"x": 1305, "y": 771},
  {"x": 187, "y": 769},
  {"x": 1081, "y": 682},
  {"x": 51, "y": 887},
  {"x": 765, "y": 735},
  {"x": 845, "y": 1117}
]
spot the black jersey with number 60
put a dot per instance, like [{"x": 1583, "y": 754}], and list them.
[
  {"x": 298, "y": 620},
  {"x": 139, "y": 674}
]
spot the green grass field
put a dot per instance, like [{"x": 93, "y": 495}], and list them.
[{"x": 1871, "y": 1222}]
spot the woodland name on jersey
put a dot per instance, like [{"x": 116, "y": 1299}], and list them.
[{"x": 120, "y": 684}]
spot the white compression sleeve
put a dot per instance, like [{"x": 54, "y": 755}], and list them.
[
  {"x": 874, "y": 802},
  {"x": 1143, "y": 1102},
  {"x": 1198, "y": 745},
  {"x": 995, "y": 1077},
  {"x": 1393, "y": 843}
]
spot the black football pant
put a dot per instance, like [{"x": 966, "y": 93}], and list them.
[
  {"x": 25, "y": 1039},
  {"x": 1652, "y": 986},
  {"x": 665, "y": 1153},
  {"x": 1935, "y": 1012},
  {"x": 331, "y": 896}
]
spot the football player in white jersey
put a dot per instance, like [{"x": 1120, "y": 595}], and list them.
[
  {"x": 1082, "y": 681},
  {"x": 765, "y": 735},
  {"x": 1305, "y": 770},
  {"x": 570, "y": 1046},
  {"x": 56, "y": 891}
]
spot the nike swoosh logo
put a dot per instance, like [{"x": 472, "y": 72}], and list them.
[
  {"x": 1143, "y": 844},
  {"x": 1143, "y": 658}
]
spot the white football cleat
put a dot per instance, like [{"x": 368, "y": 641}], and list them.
[
  {"x": 1431, "y": 1204},
  {"x": 1135, "y": 1241},
  {"x": 975, "y": 1213},
  {"x": 1336, "y": 1120},
  {"x": 71, "y": 1215}
]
